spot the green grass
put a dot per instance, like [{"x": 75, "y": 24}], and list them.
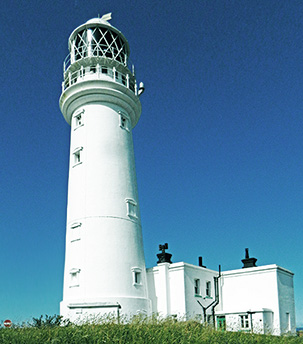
[{"x": 136, "y": 332}]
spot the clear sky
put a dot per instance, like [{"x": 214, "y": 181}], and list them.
[{"x": 218, "y": 147}]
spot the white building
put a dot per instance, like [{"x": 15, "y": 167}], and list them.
[
  {"x": 255, "y": 299},
  {"x": 104, "y": 260},
  {"x": 264, "y": 300}
]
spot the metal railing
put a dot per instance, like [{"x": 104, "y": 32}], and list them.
[{"x": 99, "y": 72}]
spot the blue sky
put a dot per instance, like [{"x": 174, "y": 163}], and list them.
[{"x": 218, "y": 147}]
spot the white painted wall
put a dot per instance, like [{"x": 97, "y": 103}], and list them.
[
  {"x": 266, "y": 290},
  {"x": 104, "y": 248},
  {"x": 193, "y": 272},
  {"x": 286, "y": 300},
  {"x": 171, "y": 289}
]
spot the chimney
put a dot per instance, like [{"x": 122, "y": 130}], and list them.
[
  {"x": 164, "y": 257},
  {"x": 201, "y": 262},
  {"x": 248, "y": 262}
]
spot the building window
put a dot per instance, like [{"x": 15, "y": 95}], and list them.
[
  {"x": 244, "y": 321},
  {"x": 74, "y": 277},
  {"x": 78, "y": 119},
  {"x": 197, "y": 286},
  {"x": 75, "y": 231},
  {"x": 137, "y": 276},
  {"x": 104, "y": 70},
  {"x": 93, "y": 69},
  {"x": 77, "y": 156},
  {"x": 124, "y": 121},
  {"x": 208, "y": 289},
  {"x": 123, "y": 80},
  {"x": 131, "y": 208}
]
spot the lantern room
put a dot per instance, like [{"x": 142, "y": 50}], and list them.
[
  {"x": 99, "y": 39},
  {"x": 97, "y": 50}
]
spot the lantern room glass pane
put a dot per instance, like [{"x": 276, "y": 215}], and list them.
[
  {"x": 81, "y": 45},
  {"x": 99, "y": 42}
]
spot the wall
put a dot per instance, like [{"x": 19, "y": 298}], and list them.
[
  {"x": 287, "y": 301},
  {"x": 263, "y": 293},
  {"x": 265, "y": 289},
  {"x": 171, "y": 289}
]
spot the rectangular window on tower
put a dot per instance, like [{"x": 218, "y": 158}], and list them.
[
  {"x": 74, "y": 277},
  {"x": 131, "y": 208},
  {"x": 78, "y": 119},
  {"x": 77, "y": 156},
  {"x": 75, "y": 231},
  {"x": 124, "y": 121},
  {"x": 137, "y": 276}
]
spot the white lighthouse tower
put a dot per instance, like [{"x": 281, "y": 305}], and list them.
[{"x": 104, "y": 261}]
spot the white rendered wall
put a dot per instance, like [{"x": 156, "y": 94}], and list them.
[
  {"x": 166, "y": 290},
  {"x": 257, "y": 290},
  {"x": 171, "y": 289},
  {"x": 286, "y": 301},
  {"x": 193, "y": 308},
  {"x": 107, "y": 248}
]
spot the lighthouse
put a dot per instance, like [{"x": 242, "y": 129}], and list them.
[{"x": 104, "y": 269}]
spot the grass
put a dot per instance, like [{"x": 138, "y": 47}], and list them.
[{"x": 136, "y": 332}]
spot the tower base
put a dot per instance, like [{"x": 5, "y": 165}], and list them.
[{"x": 120, "y": 309}]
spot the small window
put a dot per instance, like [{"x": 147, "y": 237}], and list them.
[
  {"x": 208, "y": 288},
  {"x": 75, "y": 231},
  {"x": 93, "y": 69},
  {"x": 124, "y": 121},
  {"x": 77, "y": 156},
  {"x": 104, "y": 70},
  {"x": 137, "y": 276},
  {"x": 78, "y": 119},
  {"x": 123, "y": 80},
  {"x": 197, "y": 286},
  {"x": 131, "y": 208},
  {"x": 244, "y": 321},
  {"x": 74, "y": 277}
]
